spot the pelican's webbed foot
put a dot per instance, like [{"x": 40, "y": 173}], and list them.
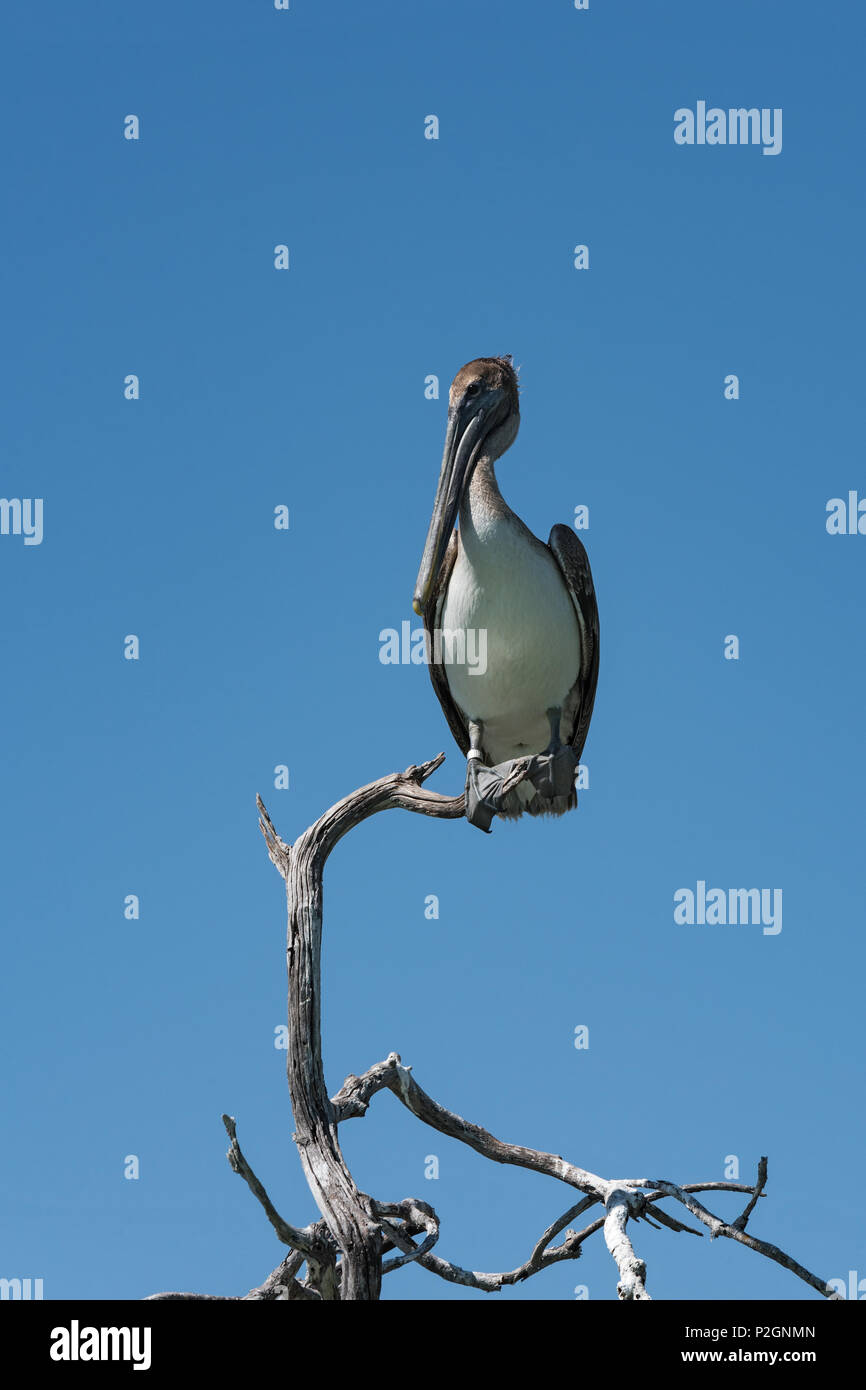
[
  {"x": 552, "y": 774},
  {"x": 487, "y": 787}
]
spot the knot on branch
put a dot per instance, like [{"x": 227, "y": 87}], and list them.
[
  {"x": 414, "y": 1216},
  {"x": 419, "y": 773}
]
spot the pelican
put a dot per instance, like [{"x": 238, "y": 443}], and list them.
[{"x": 521, "y": 716}]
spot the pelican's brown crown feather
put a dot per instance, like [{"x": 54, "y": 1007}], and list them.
[{"x": 496, "y": 372}]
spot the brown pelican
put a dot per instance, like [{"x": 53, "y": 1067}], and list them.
[{"x": 520, "y": 717}]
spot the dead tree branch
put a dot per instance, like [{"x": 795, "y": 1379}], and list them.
[{"x": 343, "y": 1251}]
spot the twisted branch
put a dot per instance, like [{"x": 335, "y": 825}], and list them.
[{"x": 360, "y": 1229}]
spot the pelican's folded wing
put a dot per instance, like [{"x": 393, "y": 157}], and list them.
[{"x": 570, "y": 555}]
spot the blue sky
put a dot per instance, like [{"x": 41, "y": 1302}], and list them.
[{"x": 259, "y": 648}]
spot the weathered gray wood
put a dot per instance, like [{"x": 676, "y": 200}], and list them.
[
  {"x": 361, "y": 1229},
  {"x": 619, "y": 1206},
  {"x": 347, "y": 1211}
]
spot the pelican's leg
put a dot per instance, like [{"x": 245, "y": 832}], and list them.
[
  {"x": 554, "y": 719},
  {"x": 552, "y": 772},
  {"x": 487, "y": 787},
  {"x": 477, "y": 812}
]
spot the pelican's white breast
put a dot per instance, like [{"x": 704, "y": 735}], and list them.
[{"x": 507, "y": 591}]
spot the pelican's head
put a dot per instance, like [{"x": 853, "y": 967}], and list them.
[{"x": 483, "y": 419}]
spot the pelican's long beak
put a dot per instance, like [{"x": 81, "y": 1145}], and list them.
[{"x": 461, "y": 446}]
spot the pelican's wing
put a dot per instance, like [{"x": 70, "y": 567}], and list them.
[
  {"x": 573, "y": 560},
  {"x": 432, "y": 621}
]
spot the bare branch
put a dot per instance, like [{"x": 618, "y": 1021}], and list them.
[
  {"x": 192, "y": 1298},
  {"x": 300, "y": 1240},
  {"x": 392, "y": 1075},
  {"x": 346, "y": 1210},
  {"x": 559, "y": 1225},
  {"x": 280, "y": 1284},
  {"x": 353, "y": 1099},
  {"x": 421, "y": 1216},
  {"x": 620, "y": 1205},
  {"x": 717, "y": 1227},
  {"x": 363, "y": 1228},
  {"x": 742, "y": 1219}
]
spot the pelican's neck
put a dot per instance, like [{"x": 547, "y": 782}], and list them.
[
  {"x": 483, "y": 509},
  {"x": 489, "y": 529}
]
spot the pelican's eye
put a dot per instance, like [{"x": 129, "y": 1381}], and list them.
[{"x": 472, "y": 389}]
